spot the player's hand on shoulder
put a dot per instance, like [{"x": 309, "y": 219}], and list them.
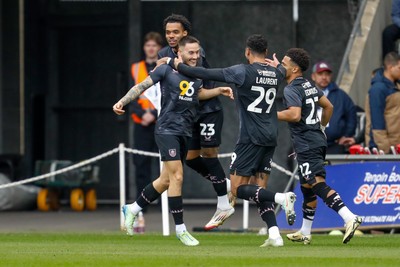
[
  {"x": 274, "y": 62},
  {"x": 226, "y": 91},
  {"x": 118, "y": 108},
  {"x": 162, "y": 61},
  {"x": 177, "y": 60}
]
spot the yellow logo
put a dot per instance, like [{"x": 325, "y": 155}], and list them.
[{"x": 186, "y": 88}]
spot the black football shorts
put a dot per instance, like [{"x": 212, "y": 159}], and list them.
[
  {"x": 248, "y": 159},
  {"x": 172, "y": 147},
  {"x": 207, "y": 130},
  {"x": 311, "y": 164}
]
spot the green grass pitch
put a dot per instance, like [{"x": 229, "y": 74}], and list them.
[{"x": 215, "y": 249}]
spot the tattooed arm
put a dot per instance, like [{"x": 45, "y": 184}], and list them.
[{"x": 132, "y": 94}]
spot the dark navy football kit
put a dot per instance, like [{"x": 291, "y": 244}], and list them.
[
  {"x": 208, "y": 125},
  {"x": 179, "y": 104},
  {"x": 308, "y": 139},
  {"x": 255, "y": 90}
]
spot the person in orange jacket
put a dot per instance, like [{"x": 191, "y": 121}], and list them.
[{"x": 144, "y": 113}]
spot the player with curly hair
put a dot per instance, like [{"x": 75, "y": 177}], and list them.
[
  {"x": 301, "y": 99},
  {"x": 207, "y": 129},
  {"x": 256, "y": 86}
]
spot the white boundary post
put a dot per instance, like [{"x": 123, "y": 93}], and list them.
[
  {"x": 165, "y": 213},
  {"x": 156, "y": 100},
  {"x": 245, "y": 214},
  {"x": 122, "y": 199},
  {"x": 164, "y": 208}
]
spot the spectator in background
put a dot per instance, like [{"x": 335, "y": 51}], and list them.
[
  {"x": 144, "y": 114},
  {"x": 382, "y": 106},
  {"x": 392, "y": 32},
  {"x": 344, "y": 119},
  {"x": 359, "y": 137}
]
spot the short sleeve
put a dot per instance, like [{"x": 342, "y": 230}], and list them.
[
  {"x": 159, "y": 73},
  {"x": 292, "y": 97},
  {"x": 235, "y": 74},
  {"x": 320, "y": 93}
]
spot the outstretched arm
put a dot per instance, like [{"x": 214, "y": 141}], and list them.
[
  {"x": 201, "y": 73},
  {"x": 210, "y": 93},
  {"x": 132, "y": 94}
]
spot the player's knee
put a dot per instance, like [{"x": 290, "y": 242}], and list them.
[
  {"x": 162, "y": 182},
  {"x": 234, "y": 188},
  {"x": 192, "y": 154},
  {"x": 209, "y": 152},
  {"x": 176, "y": 178},
  {"x": 260, "y": 179},
  {"x": 240, "y": 190},
  {"x": 198, "y": 165},
  {"x": 310, "y": 198},
  {"x": 322, "y": 190},
  {"x": 320, "y": 178}
]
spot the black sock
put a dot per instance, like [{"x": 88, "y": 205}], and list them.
[
  {"x": 335, "y": 202},
  {"x": 148, "y": 195},
  {"x": 255, "y": 193},
  {"x": 198, "y": 164},
  {"x": 217, "y": 175},
  {"x": 309, "y": 196},
  {"x": 267, "y": 213},
  {"x": 176, "y": 208}
]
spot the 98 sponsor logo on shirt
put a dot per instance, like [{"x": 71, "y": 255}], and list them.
[{"x": 187, "y": 90}]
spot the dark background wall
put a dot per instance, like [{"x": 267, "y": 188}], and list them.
[
  {"x": 77, "y": 59},
  {"x": 222, "y": 28},
  {"x": 323, "y": 28},
  {"x": 10, "y": 94}
]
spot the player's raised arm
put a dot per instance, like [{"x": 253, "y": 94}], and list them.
[
  {"x": 274, "y": 62},
  {"x": 327, "y": 110},
  {"x": 210, "y": 93},
  {"x": 132, "y": 94}
]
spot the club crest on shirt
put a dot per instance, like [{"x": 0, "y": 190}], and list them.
[{"x": 172, "y": 152}]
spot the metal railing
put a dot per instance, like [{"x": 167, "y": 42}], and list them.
[{"x": 356, "y": 31}]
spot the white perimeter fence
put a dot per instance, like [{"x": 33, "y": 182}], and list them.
[{"x": 121, "y": 149}]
